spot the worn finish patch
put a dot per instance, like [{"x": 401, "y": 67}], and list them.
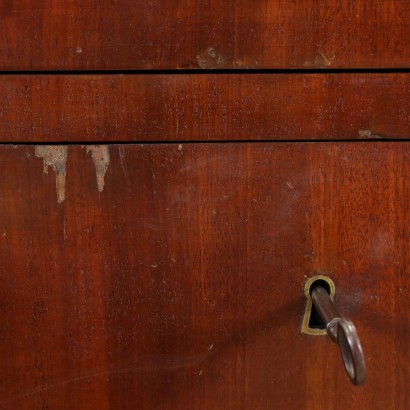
[
  {"x": 55, "y": 156},
  {"x": 369, "y": 134},
  {"x": 210, "y": 58},
  {"x": 320, "y": 60},
  {"x": 101, "y": 158}
]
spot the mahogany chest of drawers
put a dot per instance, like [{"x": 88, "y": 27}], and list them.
[{"x": 173, "y": 173}]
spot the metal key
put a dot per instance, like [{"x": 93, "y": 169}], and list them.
[{"x": 343, "y": 332}]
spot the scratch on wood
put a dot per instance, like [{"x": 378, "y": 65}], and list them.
[
  {"x": 122, "y": 157},
  {"x": 101, "y": 158},
  {"x": 149, "y": 365},
  {"x": 55, "y": 156}
]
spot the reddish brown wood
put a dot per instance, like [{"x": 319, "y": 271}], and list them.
[
  {"x": 204, "y": 107},
  {"x": 181, "y": 283},
  {"x": 165, "y": 34}
]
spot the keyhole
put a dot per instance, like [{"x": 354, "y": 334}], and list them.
[
  {"x": 315, "y": 321},
  {"x": 312, "y": 323}
]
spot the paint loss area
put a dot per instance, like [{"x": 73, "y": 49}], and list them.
[
  {"x": 56, "y": 157},
  {"x": 101, "y": 158}
]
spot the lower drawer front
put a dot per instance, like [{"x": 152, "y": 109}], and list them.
[{"x": 171, "y": 276}]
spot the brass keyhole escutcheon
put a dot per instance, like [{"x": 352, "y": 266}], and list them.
[{"x": 309, "y": 323}]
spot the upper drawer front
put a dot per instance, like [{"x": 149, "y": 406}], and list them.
[
  {"x": 199, "y": 107},
  {"x": 200, "y": 34}
]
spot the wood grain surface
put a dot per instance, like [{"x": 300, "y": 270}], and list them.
[
  {"x": 201, "y": 34},
  {"x": 170, "y": 276},
  {"x": 200, "y": 107}
]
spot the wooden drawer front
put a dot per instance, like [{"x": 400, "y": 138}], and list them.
[
  {"x": 200, "y": 34},
  {"x": 199, "y": 107},
  {"x": 152, "y": 276}
]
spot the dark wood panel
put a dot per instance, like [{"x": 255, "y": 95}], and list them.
[
  {"x": 204, "y": 107},
  {"x": 201, "y": 34},
  {"x": 178, "y": 278}
]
